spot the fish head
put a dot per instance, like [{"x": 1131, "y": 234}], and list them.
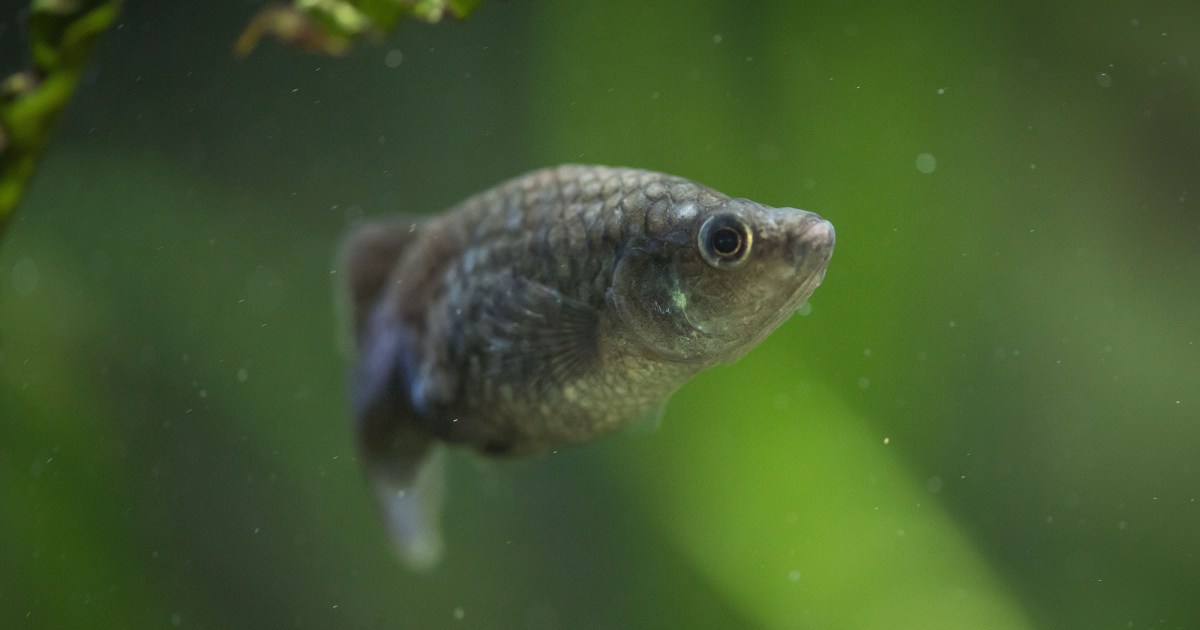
[{"x": 719, "y": 278}]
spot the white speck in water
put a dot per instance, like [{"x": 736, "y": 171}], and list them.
[
  {"x": 1104, "y": 79},
  {"x": 926, "y": 163},
  {"x": 864, "y": 382},
  {"x": 459, "y": 613},
  {"x": 794, "y": 575},
  {"x": 393, "y": 58},
  {"x": 934, "y": 484},
  {"x": 24, "y": 276},
  {"x": 941, "y": 91},
  {"x": 1049, "y": 519},
  {"x": 887, "y": 440},
  {"x": 866, "y": 352},
  {"x": 804, "y": 310},
  {"x": 717, "y": 38},
  {"x": 242, "y": 375},
  {"x": 176, "y": 619},
  {"x": 900, "y": 533},
  {"x": 1121, "y": 525}
]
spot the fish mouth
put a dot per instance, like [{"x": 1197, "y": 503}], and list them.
[
  {"x": 807, "y": 248},
  {"x": 809, "y": 242}
]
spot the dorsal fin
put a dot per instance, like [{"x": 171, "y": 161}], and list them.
[{"x": 368, "y": 256}]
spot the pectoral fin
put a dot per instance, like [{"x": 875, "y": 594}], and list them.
[{"x": 535, "y": 331}]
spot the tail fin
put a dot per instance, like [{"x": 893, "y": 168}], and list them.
[
  {"x": 403, "y": 466},
  {"x": 410, "y": 501}
]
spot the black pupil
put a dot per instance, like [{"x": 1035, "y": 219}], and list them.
[{"x": 726, "y": 241}]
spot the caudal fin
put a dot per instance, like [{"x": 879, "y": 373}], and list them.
[
  {"x": 404, "y": 467},
  {"x": 410, "y": 502}
]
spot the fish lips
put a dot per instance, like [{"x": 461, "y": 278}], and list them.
[{"x": 809, "y": 240}]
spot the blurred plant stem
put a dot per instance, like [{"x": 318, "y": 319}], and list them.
[{"x": 62, "y": 35}]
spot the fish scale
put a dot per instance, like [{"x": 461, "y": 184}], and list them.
[{"x": 551, "y": 310}]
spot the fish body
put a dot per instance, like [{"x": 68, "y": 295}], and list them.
[{"x": 550, "y": 310}]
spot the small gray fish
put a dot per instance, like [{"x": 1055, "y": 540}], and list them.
[{"x": 550, "y": 310}]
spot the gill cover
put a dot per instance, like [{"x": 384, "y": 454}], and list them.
[{"x": 675, "y": 304}]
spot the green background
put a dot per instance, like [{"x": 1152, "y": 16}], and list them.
[{"x": 990, "y": 418}]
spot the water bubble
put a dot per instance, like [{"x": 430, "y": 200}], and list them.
[
  {"x": 1104, "y": 79},
  {"x": 393, "y": 58},
  {"x": 926, "y": 163}
]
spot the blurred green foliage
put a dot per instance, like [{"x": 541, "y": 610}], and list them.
[
  {"x": 61, "y": 34},
  {"x": 332, "y": 26},
  {"x": 987, "y": 419}
]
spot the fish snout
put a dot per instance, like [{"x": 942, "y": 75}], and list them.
[{"x": 810, "y": 240}]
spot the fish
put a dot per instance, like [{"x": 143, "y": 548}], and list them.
[{"x": 548, "y": 311}]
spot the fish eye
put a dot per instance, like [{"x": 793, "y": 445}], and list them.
[{"x": 724, "y": 241}]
